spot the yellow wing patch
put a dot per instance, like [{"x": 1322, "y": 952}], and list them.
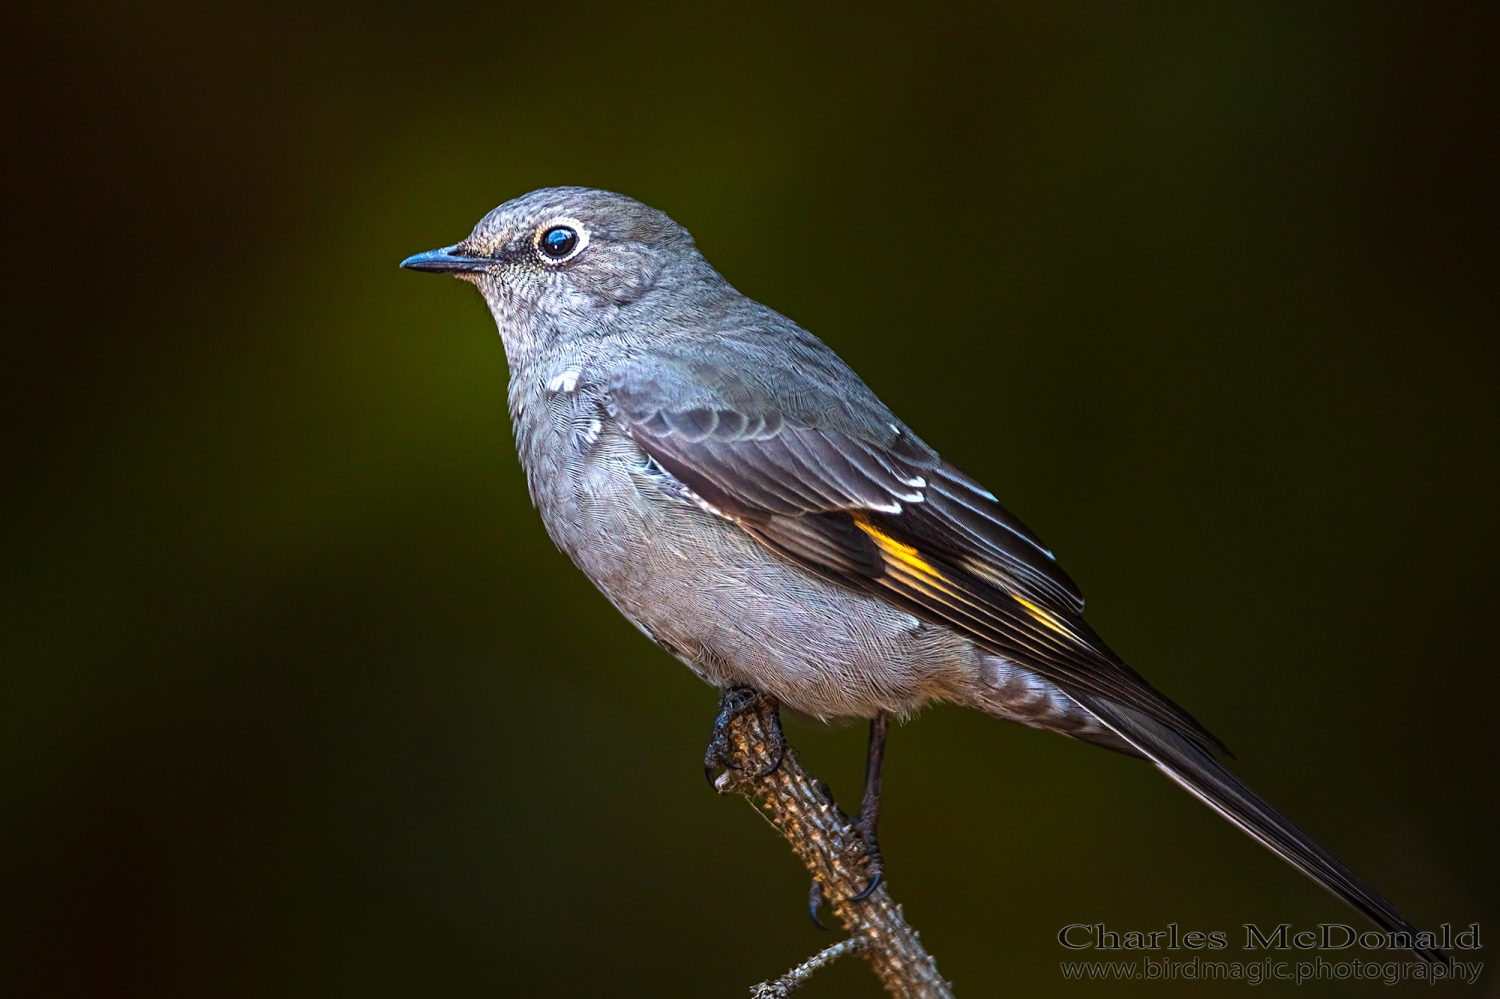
[
  {"x": 908, "y": 556},
  {"x": 1043, "y": 616},
  {"x": 901, "y": 552}
]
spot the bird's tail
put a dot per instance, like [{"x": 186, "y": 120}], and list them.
[{"x": 1203, "y": 777}]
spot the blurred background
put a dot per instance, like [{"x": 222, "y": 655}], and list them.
[{"x": 297, "y": 698}]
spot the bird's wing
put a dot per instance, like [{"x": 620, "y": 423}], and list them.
[{"x": 859, "y": 499}]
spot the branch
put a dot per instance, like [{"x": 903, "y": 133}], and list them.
[
  {"x": 803, "y": 811},
  {"x": 789, "y": 982}
]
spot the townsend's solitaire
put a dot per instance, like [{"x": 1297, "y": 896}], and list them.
[{"x": 751, "y": 506}]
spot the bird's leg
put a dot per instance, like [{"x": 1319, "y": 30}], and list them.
[
  {"x": 869, "y": 810},
  {"x": 734, "y": 702}
]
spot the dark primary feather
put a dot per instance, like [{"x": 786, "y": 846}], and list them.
[{"x": 1205, "y": 779}]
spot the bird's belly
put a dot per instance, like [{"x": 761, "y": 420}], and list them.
[{"x": 738, "y": 613}]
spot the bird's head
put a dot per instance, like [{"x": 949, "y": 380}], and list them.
[{"x": 565, "y": 259}]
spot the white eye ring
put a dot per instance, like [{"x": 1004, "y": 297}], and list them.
[{"x": 580, "y": 238}]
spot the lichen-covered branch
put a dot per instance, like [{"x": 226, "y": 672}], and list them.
[{"x": 826, "y": 841}]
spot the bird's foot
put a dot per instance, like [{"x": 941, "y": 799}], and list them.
[
  {"x": 874, "y": 866},
  {"x": 734, "y": 703}
]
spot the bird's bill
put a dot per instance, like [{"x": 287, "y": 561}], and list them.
[{"x": 446, "y": 261}]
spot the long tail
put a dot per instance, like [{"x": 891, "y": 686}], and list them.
[{"x": 1203, "y": 777}]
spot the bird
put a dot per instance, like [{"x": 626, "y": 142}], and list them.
[{"x": 741, "y": 496}]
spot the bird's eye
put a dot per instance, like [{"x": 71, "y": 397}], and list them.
[{"x": 559, "y": 241}]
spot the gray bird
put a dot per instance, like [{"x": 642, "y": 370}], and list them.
[{"x": 747, "y": 502}]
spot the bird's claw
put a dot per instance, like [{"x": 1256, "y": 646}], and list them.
[
  {"x": 815, "y": 902},
  {"x": 868, "y": 889},
  {"x": 735, "y": 702}
]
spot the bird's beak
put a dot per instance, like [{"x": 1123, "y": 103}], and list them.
[{"x": 446, "y": 261}]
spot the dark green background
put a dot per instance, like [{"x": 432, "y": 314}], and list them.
[{"x": 298, "y": 699}]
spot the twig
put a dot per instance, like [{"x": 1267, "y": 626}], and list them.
[
  {"x": 789, "y": 982},
  {"x": 803, "y": 811}
]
